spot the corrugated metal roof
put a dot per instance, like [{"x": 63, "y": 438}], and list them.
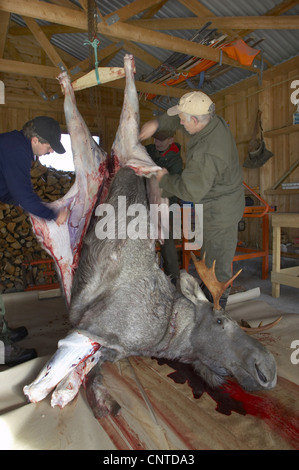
[{"x": 277, "y": 45}]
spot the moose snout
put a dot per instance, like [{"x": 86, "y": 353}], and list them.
[
  {"x": 266, "y": 374},
  {"x": 256, "y": 368}
]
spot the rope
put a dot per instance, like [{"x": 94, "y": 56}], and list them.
[{"x": 94, "y": 44}]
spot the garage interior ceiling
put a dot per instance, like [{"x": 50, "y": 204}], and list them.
[{"x": 166, "y": 38}]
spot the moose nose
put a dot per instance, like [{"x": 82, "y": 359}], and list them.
[
  {"x": 266, "y": 378},
  {"x": 262, "y": 377}
]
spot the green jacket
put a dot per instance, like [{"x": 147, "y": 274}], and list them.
[{"x": 212, "y": 175}]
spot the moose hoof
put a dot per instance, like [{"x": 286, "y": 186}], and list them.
[
  {"x": 99, "y": 399},
  {"x": 101, "y": 402}
]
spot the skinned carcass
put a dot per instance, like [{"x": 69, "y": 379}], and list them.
[
  {"x": 94, "y": 170},
  {"x": 122, "y": 304}
]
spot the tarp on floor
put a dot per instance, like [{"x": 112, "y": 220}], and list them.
[{"x": 163, "y": 405}]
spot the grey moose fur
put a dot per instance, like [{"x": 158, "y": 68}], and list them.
[{"x": 122, "y": 297}]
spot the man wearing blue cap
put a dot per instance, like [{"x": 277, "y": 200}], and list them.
[{"x": 18, "y": 150}]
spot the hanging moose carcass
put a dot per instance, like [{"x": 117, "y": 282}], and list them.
[{"x": 120, "y": 301}]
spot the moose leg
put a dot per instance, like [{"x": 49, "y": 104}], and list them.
[
  {"x": 72, "y": 350},
  {"x": 126, "y": 145},
  {"x": 99, "y": 399},
  {"x": 69, "y": 387}
]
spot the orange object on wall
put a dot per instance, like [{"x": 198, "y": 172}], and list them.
[{"x": 241, "y": 52}]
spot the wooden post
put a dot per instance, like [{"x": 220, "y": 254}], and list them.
[{"x": 276, "y": 259}]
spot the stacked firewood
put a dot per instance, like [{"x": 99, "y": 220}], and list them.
[{"x": 18, "y": 244}]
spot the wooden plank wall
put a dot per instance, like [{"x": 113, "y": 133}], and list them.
[
  {"x": 100, "y": 108},
  {"x": 238, "y": 105}
]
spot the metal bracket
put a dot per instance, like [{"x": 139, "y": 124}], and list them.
[
  {"x": 112, "y": 19},
  {"x": 260, "y": 74},
  {"x": 75, "y": 70},
  {"x": 61, "y": 66},
  {"x": 44, "y": 96}
]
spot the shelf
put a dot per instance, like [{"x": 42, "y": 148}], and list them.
[
  {"x": 281, "y": 192},
  {"x": 287, "y": 276},
  {"x": 282, "y": 130}
]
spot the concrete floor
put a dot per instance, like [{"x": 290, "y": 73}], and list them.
[{"x": 251, "y": 277}]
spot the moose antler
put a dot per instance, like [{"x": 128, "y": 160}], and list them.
[
  {"x": 209, "y": 278},
  {"x": 260, "y": 327},
  {"x": 217, "y": 288}
]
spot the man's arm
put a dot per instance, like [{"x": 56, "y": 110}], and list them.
[
  {"x": 18, "y": 180},
  {"x": 195, "y": 181}
]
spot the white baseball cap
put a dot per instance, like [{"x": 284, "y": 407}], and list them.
[{"x": 196, "y": 103}]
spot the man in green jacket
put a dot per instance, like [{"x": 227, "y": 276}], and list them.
[
  {"x": 166, "y": 154},
  {"x": 212, "y": 177}
]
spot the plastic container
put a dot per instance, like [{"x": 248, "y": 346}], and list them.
[{"x": 296, "y": 115}]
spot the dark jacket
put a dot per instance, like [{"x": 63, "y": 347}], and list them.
[
  {"x": 170, "y": 159},
  {"x": 16, "y": 158}
]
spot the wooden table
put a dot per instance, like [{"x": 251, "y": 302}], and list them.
[{"x": 287, "y": 276}]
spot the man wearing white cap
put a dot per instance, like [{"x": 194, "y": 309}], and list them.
[{"x": 212, "y": 177}]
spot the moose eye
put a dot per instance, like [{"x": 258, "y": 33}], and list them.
[{"x": 219, "y": 321}]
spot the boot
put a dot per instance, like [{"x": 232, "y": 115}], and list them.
[
  {"x": 13, "y": 354},
  {"x": 16, "y": 334}
]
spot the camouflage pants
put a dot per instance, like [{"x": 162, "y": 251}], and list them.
[
  {"x": 169, "y": 254},
  {"x": 170, "y": 259}
]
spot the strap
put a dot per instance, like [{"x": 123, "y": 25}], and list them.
[
  {"x": 95, "y": 44},
  {"x": 258, "y": 124}
]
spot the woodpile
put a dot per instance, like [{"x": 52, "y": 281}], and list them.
[{"x": 18, "y": 244}]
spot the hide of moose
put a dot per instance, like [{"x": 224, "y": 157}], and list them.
[{"x": 120, "y": 301}]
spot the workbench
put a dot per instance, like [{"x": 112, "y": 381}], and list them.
[{"x": 287, "y": 276}]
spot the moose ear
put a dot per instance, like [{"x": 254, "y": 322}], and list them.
[{"x": 190, "y": 288}]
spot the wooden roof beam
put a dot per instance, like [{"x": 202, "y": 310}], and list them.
[
  {"x": 165, "y": 41},
  {"x": 33, "y": 82},
  {"x": 25, "y": 68},
  {"x": 66, "y": 3},
  {"x": 153, "y": 9},
  {"x": 120, "y": 30},
  {"x": 221, "y": 22},
  {"x": 4, "y": 22},
  {"x": 48, "y": 30},
  {"x": 132, "y": 9},
  {"x": 141, "y": 54},
  {"x": 47, "y": 12},
  {"x": 45, "y": 43}
]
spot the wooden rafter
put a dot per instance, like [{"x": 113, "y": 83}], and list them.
[
  {"x": 4, "y": 22},
  {"x": 223, "y": 22},
  {"x": 24, "y": 68},
  {"x": 66, "y": 17},
  {"x": 33, "y": 82},
  {"x": 118, "y": 29},
  {"x": 45, "y": 43},
  {"x": 132, "y": 9}
]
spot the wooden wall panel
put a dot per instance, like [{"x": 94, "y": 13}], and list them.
[{"x": 238, "y": 105}]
